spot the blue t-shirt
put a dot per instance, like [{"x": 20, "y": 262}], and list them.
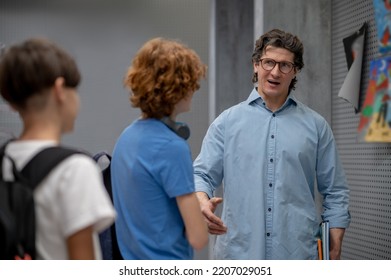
[{"x": 150, "y": 167}]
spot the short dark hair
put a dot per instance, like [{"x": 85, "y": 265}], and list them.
[
  {"x": 29, "y": 68},
  {"x": 162, "y": 73},
  {"x": 280, "y": 39}
]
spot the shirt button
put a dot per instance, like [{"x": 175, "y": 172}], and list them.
[
  {"x": 272, "y": 136},
  {"x": 269, "y": 209},
  {"x": 268, "y": 234},
  {"x": 274, "y": 115},
  {"x": 271, "y": 160},
  {"x": 270, "y": 184}
]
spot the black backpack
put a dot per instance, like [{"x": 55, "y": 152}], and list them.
[
  {"x": 17, "y": 212},
  {"x": 108, "y": 238}
]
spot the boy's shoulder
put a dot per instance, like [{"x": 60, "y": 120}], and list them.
[{"x": 17, "y": 222}]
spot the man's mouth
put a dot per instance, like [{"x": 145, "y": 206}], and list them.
[{"x": 273, "y": 82}]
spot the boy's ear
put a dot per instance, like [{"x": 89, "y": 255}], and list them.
[{"x": 58, "y": 88}]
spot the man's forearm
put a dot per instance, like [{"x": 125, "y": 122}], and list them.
[{"x": 336, "y": 237}]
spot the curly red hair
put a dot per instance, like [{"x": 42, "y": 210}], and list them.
[{"x": 162, "y": 73}]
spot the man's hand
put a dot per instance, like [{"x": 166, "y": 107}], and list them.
[{"x": 208, "y": 207}]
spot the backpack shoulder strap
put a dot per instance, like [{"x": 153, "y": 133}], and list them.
[{"x": 43, "y": 162}]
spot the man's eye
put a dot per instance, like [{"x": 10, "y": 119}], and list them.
[
  {"x": 269, "y": 62},
  {"x": 284, "y": 64}
]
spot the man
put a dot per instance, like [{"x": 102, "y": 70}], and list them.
[{"x": 269, "y": 152}]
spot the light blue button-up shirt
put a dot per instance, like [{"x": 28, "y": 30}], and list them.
[{"x": 269, "y": 164}]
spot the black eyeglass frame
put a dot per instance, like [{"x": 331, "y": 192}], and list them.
[{"x": 279, "y": 65}]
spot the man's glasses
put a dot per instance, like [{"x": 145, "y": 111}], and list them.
[{"x": 284, "y": 66}]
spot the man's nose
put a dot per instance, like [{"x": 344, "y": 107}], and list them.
[{"x": 276, "y": 70}]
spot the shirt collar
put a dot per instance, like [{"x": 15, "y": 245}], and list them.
[{"x": 256, "y": 98}]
